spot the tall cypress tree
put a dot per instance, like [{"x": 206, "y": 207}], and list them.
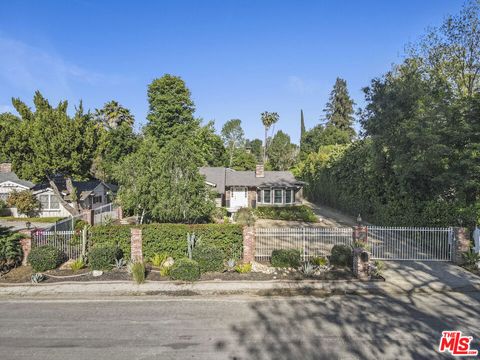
[
  {"x": 170, "y": 109},
  {"x": 302, "y": 125},
  {"x": 339, "y": 109}
]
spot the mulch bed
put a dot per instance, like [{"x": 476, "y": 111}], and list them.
[{"x": 22, "y": 274}]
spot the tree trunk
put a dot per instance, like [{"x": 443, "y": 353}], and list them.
[{"x": 70, "y": 209}]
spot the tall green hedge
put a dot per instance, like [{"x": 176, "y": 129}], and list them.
[{"x": 171, "y": 238}]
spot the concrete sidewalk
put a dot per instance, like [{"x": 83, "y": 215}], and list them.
[{"x": 394, "y": 285}]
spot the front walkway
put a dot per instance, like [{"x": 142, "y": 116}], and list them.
[{"x": 429, "y": 276}]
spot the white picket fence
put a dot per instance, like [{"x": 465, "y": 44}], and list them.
[
  {"x": 105, "y": 214},
  {"x": 310, "y": 241},
  {"x": 72, "y": 243}
]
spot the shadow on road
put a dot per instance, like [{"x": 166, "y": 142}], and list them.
[{"x": 356, "y": 327}]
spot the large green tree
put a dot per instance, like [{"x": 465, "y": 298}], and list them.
[
  {"x": 419, "y": 163},
  {"x": 48, "y": 141},
  {"x": 233, "y": 137},
  {"x": 163, "y": 184},
  {"x": 117, "y": 139},
  {"x": 170, "y": 109},
  {"x": 281, "y": 152},
  {"x": 339, "y": 109}
]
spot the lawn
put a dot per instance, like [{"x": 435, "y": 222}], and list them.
[{"x": 25, "y": 219}]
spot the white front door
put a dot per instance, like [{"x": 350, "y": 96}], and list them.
[{"x": 239, "y": 198}]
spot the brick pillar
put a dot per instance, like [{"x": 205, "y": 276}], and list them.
[
  {"x": 136, "y": 253},
  {"x": 120, "y": 213},
  {"x": 361, "y": 262},
  {"x": 360, "y": 233},
  {"x": 248, "y": 244},
  {"x": 461, "y": 244},
  {"x": 26, "y": 244},
  {"x": 88, "y": 216}
]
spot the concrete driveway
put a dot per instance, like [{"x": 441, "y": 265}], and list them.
[
  {"x": 19, "y": 225},
  {"x": 327, "y": 218},
  {"x": 430, "y": 275}
]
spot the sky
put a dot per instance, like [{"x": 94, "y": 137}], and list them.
[{"x": 238, "y": 58}]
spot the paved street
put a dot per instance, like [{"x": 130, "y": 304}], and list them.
[{"x": 337, "y": 327}]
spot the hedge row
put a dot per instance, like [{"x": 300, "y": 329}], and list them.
[
  {"x": 171, "y": 238},
  {"x": 291, "y": 213}
]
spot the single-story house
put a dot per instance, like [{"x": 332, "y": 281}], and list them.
[
  {"x": 10, "y": 182},
  {"x": 238, "y": 189},
  {"x": 90, "y": 194}
]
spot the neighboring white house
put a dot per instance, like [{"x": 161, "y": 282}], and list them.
[
  {"x": 90, "y": 194},
  {"x": 10, "y": 182}
]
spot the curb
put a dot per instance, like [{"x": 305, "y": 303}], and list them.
[{"x": 260, "y": 288}]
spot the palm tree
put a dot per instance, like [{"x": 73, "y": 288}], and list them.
[
  {"x": 268, "y": 119},
  {"x": 112, "y": 115}
]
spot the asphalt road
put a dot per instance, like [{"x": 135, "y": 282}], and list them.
[{"x": 337, "y": 327}]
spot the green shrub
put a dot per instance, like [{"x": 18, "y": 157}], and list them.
[
  {"x": 286, "y": 258},
  {"x": 158, "y": 259},
  {"x": 165, "y": 270},
  {"x": 291, "y": 213},
  {"x": 244, "y": 216},
  {"x": 45, "y": 257},
  {"x": 171, "y": 238},
  {"x": 320, "y": 261},
  {"x": 209, "y": 258},
  {"x": 342, "y": 255},
  {"x": 243, "y": 268},
  {"x": 103, "y": 258},
  {"x": 219, "y": 213},
  {"x": 185, "y": 269},
  {"x": 77, "y": 265},
  {"x": 138, "y": 272},
  {"x": 10, "y": 251}
]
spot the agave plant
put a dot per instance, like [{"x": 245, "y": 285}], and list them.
[
  {"x": 307, "y": 268},
  {"x": 471, "y": 259},
  {"x": 37, "y": 278},
  {"x": 120, "y": 263},
  {"x": 231, "y": 263}
]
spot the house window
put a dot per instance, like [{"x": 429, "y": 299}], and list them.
[
  {"x": 259, "y": 196},
  {"x": 278, "y": 196},
  {"x": 266, "y": 196},
  {"x": 54, "y": 202},
  {"x": 97, "y": 199},
  {"x": 49, "y": 202},
  {"x": 44, "y": 201},
  {"x": 288, "y": 196}
]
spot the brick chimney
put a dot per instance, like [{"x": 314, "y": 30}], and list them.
[
  {"x": 5, "y": 167},
  {"x": 260, "y": 171}
]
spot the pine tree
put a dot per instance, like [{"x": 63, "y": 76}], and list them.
[{"x": 339, "y": 109}]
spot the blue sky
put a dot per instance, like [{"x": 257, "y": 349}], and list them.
[{"x": 238, "y": 58}]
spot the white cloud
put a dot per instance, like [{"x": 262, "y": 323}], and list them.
[
  {"x": 298, "y": 85},
  {"x": 27, "y": 67}
]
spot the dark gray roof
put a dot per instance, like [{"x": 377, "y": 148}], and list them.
[
  {"x": 223, "y": 177},
  {"x": 271, "y": 178},
  {"x": 84, "y": 188},
  {"x": 11, "y": 176},
  {"x": 216, "y": 176}
]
